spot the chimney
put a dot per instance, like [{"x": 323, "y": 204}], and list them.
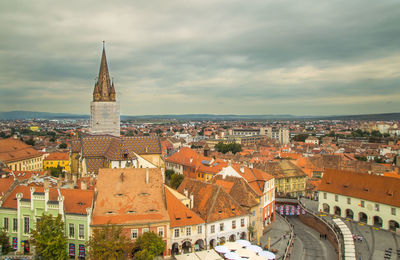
[
  {"x": 242, "y": 169},
  {"x": 163, "y": 174},
  {"x": 46, "y": 183},
  {"x": 74, "y": 179},
  {"x": 191, "y": 201},
  {"x": 147, "y": 175},
  {"x": 229, "y": 162},
  {"x": 185, "y": 191},
  {"x": 59, "y": 183},
  {"x": 83, "y": 185},
  {"x": 191, "y": 160}
]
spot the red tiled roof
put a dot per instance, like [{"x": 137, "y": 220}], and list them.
[
  {"x": 77, "y": 201},
  {"x": 5, "y": 184},
  {"x": 211, "y": 202},
  {"x": 179, "y": 214},
  {"x": 57, "y": 157},
  {"x": 370, "y": 187},
  {"x": 12, "y": 150},
  {"x": 123, "y": 197}
]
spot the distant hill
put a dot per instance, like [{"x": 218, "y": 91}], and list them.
[{"x": 14, "y": 115}]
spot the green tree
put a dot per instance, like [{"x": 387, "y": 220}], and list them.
[
  {"x": 30, "y": 141},
  {"x": 300, "y": 137},
  {"x": 168, "y": 174},
  {"x": 108, "y": 243},
  {"x": 49, "y": 238},
  {"x": 56, "y": 172},
  {"x": 4, "y": 242},
  {"x": 176, "y": 180},
  {"x": 62, "y": 146},
  {"x": 148, "y": 246},
  {"x": 229, "y": 147}
]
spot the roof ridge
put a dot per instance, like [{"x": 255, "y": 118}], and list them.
[{"x": 213, "y": 202}]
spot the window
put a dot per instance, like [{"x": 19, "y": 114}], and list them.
[
  {"x": 161, "y": 231},
  {"x": 254, "y": 213},
  {"x": 394, "y": 211},
  {"x": 199, "y": 229},
  {"x": 362, "y": 203},
  {"x": 26, "y": 225},
  {"x": 15, "y": 224},
  {"x": 242, "y": 222},
  {"x": 212, "y": 229},
  {"x": 5, "y": 224},
  {"x": 348, "y": 200},
  {"x": 144, "y": 230},
  {"x": 81, "y": 231},
  {"x": 176, "y": 232},
  {"x": 71, "y": 230},
  {"x": 134, "y": 233},
  {"x": 336, "y": 198},
  {"x": 221, "y": 227},
  {"x": 188, "y": 231},
  {"x": 233, "y": 224},
  {"x": 376, "y": 207},
  {"x": 325, "y": 195}
]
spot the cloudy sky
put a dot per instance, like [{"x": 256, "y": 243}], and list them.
[{"x": 209, "y": 56}]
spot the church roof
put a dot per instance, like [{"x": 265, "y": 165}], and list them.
[{"x": 97, "y": 148}]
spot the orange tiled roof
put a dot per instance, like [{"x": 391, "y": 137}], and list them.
[
  {"x": 370, "y": 187},
  {"x": 123, "y": 197},
  {"x": 57, "y": 157},
  {"x": 5, "y": 184},
  {"x": 179, "y": 214},
  {"x": 211, "y": 202},
  {"x": 12, "y": 150},
  {"x": 75, "y": 201}
]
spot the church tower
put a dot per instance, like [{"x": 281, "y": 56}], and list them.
[{"x": 104, "y": 109}]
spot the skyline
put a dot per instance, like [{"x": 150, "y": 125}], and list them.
[{"x": 197, "y": 58}]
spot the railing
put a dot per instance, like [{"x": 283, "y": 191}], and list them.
[
  {"x": 330, "y": 226},
  {"x": 291, "y": 238}
]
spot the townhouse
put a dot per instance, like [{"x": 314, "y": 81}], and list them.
[
  {"x": 367, "y": 198},
  {"x": 133, "y": 198},
  {"x": 225, "y": 218},
  {"x": 187, "y": 229},
  {"x": 18, "y": 156},
  {"x": 25, "y": 202}
]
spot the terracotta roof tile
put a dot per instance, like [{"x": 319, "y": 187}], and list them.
[
  {"x": 12, "y": 150},
  {"x": 211, "y": 202},
  {"x": 179, "y": 214},
  {"x": 370, "y": 187},
  {"x": 57, "y": 157},
  {"x": 124, "y": 197}
]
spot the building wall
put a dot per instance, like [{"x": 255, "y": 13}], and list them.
[
  {"x": 193, "y": 238},
  {"x": 33, "y": 210},
  {"x": 228, "y": 230},
  {"x": 336, "y": 200},
  {"x": 291, "y": 185},
  {"x": 154, "y": 159},
  {"x": 105, "y": 118},
  {"x": 55, "y": 163},
  {"x": 31, "y": 164}
]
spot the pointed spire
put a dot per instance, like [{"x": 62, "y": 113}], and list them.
[{"x": 103, "y": 85}]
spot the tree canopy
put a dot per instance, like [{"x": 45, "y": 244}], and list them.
[
  {"x": 176, "y": 180},
  {"x": 49, "y": 238},
  {"x": 148, "y": 246},
  {"x": 4, "y": 242},
  {"x": 229, "y": 147},
  {"x": 108, "y": 243}
]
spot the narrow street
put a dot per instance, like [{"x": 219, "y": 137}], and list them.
[{"x": 308, "y": 245}]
